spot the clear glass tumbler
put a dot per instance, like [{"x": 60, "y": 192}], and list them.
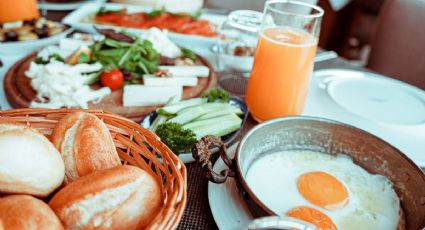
[
  {"x": 283, "y": 59},
  {"x": 238, "y": 36}
]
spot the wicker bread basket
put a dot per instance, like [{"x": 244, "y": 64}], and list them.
[{"x": 135, "y": 145}]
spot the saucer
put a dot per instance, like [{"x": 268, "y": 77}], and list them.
[
  {"x": 227, "y": 207},
  {"x": 387, "y": 108}
]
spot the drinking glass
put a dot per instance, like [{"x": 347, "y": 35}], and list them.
[
  {"x": 238, "y": 36},
  {"x": 283, "y": 59}
]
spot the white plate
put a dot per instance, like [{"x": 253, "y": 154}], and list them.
[
  {"x": 387, "y": 108},
  {"x": 78, "y": 19},
  {"x": 27, "y": 47},
  {"x": 55, "y": 6},
  {"x": 228, "y": 209}
]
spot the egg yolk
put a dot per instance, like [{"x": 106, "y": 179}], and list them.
[
  {"x": 313, "y": 216},
  {"x": 323, "y": 190}
]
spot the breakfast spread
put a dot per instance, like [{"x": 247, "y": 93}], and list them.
[
  {"x": 330, "y": 192},
  {"x": 72, "y": 159},
  {"x": 175, "y": 22},
  {"x": 98, "y": 191}
]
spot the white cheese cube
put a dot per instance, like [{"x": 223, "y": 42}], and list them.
[
  {"x": 150, "y": 80},
  {"x": 197, "y": 70},
  {"x": 72, "y": 44},
  {"x": 141, "y": 95}
]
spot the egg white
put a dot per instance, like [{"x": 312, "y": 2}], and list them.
[{"x": 373, "y": 204}]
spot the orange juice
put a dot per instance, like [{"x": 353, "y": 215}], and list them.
[
  {"x": 17, "y": 10},
  {"x": 283, "y": 62}
]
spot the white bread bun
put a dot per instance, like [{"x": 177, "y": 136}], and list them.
[
  {"x": 173, "y": 6},
  {"x": 22, "y": 212},
  {"x": 85, "y": 145},
  {"x": 124, "y": 197},
  {"x": 29, "y": 163}
]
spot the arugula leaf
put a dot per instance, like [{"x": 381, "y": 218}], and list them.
[
  {"x": 116, "y": 44},
  {"x": 41, "y": 61},
  {"x": 138, "y": 57},
  {"x": 83, "y": 58},
  {"x": 187, "y": 53}
]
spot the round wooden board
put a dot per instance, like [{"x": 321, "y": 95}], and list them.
[{"x": 19, "y": 92}]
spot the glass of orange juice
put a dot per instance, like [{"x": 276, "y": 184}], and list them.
[{"x": 283, "y": 59}]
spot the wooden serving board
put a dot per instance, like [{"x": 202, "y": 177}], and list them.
[{"x": 19, "y": 92}]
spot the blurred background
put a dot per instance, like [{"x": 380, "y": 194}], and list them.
[{"x": 347, "y": 27}]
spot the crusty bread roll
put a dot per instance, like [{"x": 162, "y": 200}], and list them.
[
  {"x": 22, "y": 212},
  {"x": 124, "y": 197},
  {"x": 29, "y": 163},
  {"x": 85, "y": 145}
]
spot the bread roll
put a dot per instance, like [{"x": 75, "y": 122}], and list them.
[
  {"x": 23, "y": 212},
  {"x": 29, "y": 163},
  {"x": 85, "y": 145},
  {"x": 124, "y": 197}
]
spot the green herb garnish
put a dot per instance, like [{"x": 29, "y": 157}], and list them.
[
  {"x": 103, "y": 10},
  {"x": 216, "y": 94},
  {"x": 176, "y": 137},
  {"x": 196, "y": 15},
  {"x": 83, "y": 58},
  {"x": 41, "y": 61},
  {"x": 187, "y": 53},
  {"x": 155, "y": 13}
]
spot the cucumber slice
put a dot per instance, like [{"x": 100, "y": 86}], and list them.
[
  {"x": 188, "y": 115},
  {"x": 161, "y": 118},
  {"x": 214, "y": 114},
  {"x": 176, "y": 107},
  {"x": 218, "y": 126},
  {"x": 215, "y": 106},
  {"x": 158, "y": 120}
]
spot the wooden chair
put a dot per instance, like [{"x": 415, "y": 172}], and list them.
[{"x": 398, "y": 47}]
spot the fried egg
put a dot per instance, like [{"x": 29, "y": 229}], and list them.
[{"x": 330, "y": 192}]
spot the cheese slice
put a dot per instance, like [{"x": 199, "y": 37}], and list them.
[
  {"x": 197, "y": 70},
  {"x": 150, "y": 80},
  {"x": 142, "y": 95}
]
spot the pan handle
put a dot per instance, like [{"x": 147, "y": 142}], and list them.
[{"x": 201, "y": 153}]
